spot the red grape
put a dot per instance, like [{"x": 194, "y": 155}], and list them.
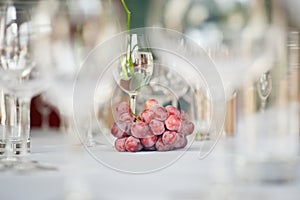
[
  {"x": 173, "y": 123},
  {"x": 118, "y": 131},
  {"x": 157, "y": 127},
  {"x": 149, "y": 141},
  {"x": 184, "y": 143},
  {"x": 161, "y": 114},
  {"x": 133, "y": 144},
  {"x": 147, "y": 116},
  {"x": 123, "y": 107},
  {"x": 186, "y": 128},
  {"x": 173, "y": 110},
  {"x": 140, "y": 129},
  {"x": 181, "y": 141},
  {"x": 160, "y": 146},
  {"x": 120, "y": 144},
  {"x": 124, "y": 126},
  {"x": 126, "y": 117},
  {"x": 151, "y": 103},
  {"x": 169, "y": 137}
]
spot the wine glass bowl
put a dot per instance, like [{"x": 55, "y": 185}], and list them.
[
  {"x": 135, "y": 68},
  {"x": 142, "y": 72}
]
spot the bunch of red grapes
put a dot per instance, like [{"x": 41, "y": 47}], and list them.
[{"x": 156, "y": 128}]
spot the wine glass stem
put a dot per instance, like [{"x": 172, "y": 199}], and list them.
[
  {"x": 263, "y": 105},
  {"x": 89, "y": 140},
  {"x": 133, "y": 102},
  {"x": 24, "y": 122}
]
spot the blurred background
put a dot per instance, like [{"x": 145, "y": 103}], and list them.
[
  {"x": 253, "y": 44},
  {"x": 245, "y": 38}
]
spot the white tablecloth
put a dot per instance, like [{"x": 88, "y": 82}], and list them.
[{"x": 80, "y": 176}]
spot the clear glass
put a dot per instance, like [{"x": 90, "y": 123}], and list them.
[
  {"x": 74, "y": 27},
  {"x": 217, "y": 26},
  {"x": 15, "y": 68},
  {"x": 136, "y": 67},
  {"x": 21, "y": 78},
  {"x": 176, "y": 55},
  {"x": 268, "y": 139}
]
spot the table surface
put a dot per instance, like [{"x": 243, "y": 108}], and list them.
[{"x": 81, "y": 175}]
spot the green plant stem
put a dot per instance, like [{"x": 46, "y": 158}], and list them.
[
  {"x": 128, "y": 14},
  {"x": 129, "y": 63}
]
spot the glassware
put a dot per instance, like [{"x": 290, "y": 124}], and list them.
[
  {"x": 15, "y": 68},
  {"x": 264, "y": 88},
  {"x": 217, "y": 26},
  {"x": 74, "y": 27},
  {"x": 21, "y": 77},
  {"x": 62, "y": 42},
  {"x": 136, "y": 67},
  {"x": 268, "y": 139},
  {"x": 173, "y": 52}
]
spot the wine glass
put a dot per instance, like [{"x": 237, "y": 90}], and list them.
[
  {"x": 105, "y": 61},
  {"x": 135, "y": 68},
  {"x": 74, "y": 28},
  {"x": 21, "y": 78},
  {"x": 264, "y": 87}
]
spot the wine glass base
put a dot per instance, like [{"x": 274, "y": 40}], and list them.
[
  {"x": 23, "y": 164},
  {"x": 15, "y": 147},
  {"x": 90, "y": 143},
  {"x": 200, "y": 136}
]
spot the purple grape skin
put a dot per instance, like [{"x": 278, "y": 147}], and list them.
[
  {"x": 173, "y": 110},
  {"x": 173, "y": 123},
  {"x": 160, "y": 114},
  {"x": 160, "y": 146},
  {"x": 157, "y": 127},
  {"x": 149, "y": 141},
  {"x": 133, "y": 144},
  {"x": 149, "y": 131},
  {"x": 147, "y": 116},
  {"x": 123, "y": 107},
  {"x": 186, "y": 127},
  {"x": 169, "y": 137},
  {"x": 118, "y": 132},
  {"x": 140, "y": 129},
  {"x": 126, "y": 117},
  {"x": 181, "y": 141},
  {"x": 120, "y": 144}
]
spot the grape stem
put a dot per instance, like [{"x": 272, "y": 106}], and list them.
[{"x": 133, "y": 103}]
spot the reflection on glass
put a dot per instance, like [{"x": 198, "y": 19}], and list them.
[
  {"x": 136, "y": 67},
  {"x": 21, "y": 78}
]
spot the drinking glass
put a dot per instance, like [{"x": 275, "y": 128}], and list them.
[
  {"x": 62, "y": 44},
  {"x": 74, "y": 27},
  {"x": 135, "y": 68},
  {"x": 268, "y": 138},
  {"x": 268, "y": 128},
  {"x": 21, "y": 78}
]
